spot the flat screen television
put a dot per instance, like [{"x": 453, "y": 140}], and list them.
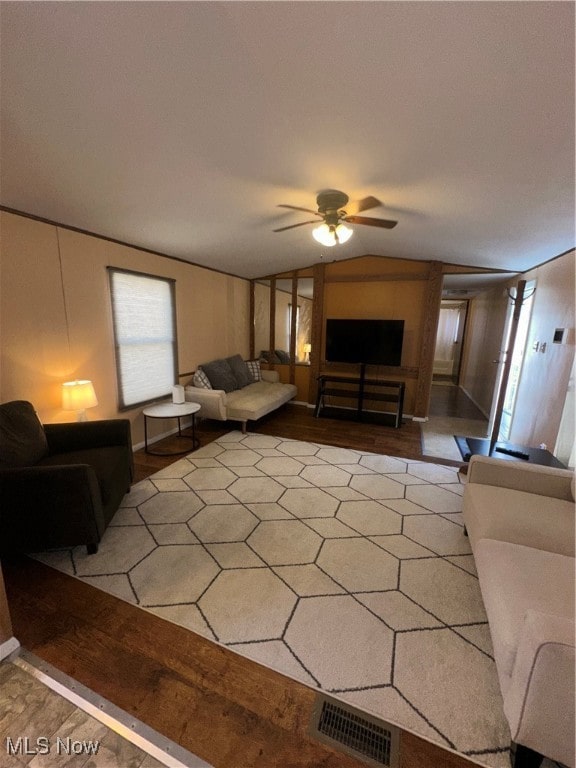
[{"x": 369, "y": 342}]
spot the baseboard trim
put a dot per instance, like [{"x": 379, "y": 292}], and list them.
[{"x": 8, "y": 647}]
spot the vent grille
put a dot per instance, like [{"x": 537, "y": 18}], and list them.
[{"x": 370, "y": 739}]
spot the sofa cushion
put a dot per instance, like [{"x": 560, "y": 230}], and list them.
[
  {"x": 22, "y": 439},
  {"x": 521, "y": 518},
  {"x": 513, "y": 580},
  {"x": 220, "y": 375},
  {"x": 240, "y": 370},
  {"x": 258, "y": 399}
]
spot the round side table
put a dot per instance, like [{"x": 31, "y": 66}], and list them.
[{"x": 172, "y": 411}]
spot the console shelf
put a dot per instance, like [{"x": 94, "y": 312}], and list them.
[{"x": 361, "y": 391}]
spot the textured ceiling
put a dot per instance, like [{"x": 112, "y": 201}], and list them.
[{"x": 181, "y": 126}]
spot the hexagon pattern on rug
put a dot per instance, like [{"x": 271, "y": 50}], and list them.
[{"x": 345, "y": 569}]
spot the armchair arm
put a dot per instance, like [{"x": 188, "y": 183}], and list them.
[
  {"x": 212, "y": 402},
  {"x": 47, "y": 507},
  {"x": 532, "y": 478},
  {"x": 539, "y": 703}
]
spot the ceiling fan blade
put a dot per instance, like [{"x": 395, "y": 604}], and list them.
[
  {"x": 302, "y": 223},
  {"x": 296, "y": 208},
  {"x": 385, "y": 223},
  {"x": 357, "y": 206}
]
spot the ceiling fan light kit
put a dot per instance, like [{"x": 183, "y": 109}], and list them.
[
  {"x": 329, "y": 235},
  {"x": 331, "y": 204}
]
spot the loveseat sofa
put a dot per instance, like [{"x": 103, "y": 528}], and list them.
[
  {"x": 520, "y": 521},
  {"x": 237, "y": 390}
]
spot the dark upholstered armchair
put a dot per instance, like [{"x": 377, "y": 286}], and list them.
[{"x": 60, "y": 484}]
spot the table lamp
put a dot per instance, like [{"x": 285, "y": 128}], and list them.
[{"x": 77, "y": 396}]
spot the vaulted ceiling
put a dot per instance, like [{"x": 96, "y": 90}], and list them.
[{"x": 180, "y": 126}]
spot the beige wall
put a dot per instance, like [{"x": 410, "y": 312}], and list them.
[
  {"x": 376, "y": 291},
  {"x": 545, "y": 377},
  {"x": 35, "y": 355}
]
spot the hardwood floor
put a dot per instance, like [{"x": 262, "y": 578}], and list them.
[
  {"x": 297, "y": 422},
  {"x": 229, "y": 710}
]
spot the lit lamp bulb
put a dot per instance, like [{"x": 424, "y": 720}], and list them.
[
  {"x": 329, "y": 235},
  {"x": 77, "y": 396}
]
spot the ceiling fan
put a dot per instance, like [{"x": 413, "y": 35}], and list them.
[{"x": 334, "y": 209}]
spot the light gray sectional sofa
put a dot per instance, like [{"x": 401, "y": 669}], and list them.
[
  {"x": 237, "y": 390},
  {"x": 520, "y": 520}
]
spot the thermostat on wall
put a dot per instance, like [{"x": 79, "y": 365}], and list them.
[{"x": 560, "y": 336}]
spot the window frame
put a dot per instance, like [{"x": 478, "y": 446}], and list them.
[{"x": 122, "y": 406}]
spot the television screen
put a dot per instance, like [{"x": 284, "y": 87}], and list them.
[{"x": 372, "y": 342}]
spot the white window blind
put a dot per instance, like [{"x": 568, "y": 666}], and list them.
[{"x": 145, "y": 336}]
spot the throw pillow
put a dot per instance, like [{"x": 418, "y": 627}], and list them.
[
  {"x": 284, "y": 357},
  {"x": 220, "y": 375},
  {"x": 240, "y": 371},
  {"x": 201, "y": 380},
  {"x": 22, "y": 438},
  {"x": 254, "y": 368},
  {"x": 269, "y": 357}
]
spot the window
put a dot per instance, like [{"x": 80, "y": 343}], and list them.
[{"x": 143, "y": 309}]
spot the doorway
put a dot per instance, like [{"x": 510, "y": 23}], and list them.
[{"x": 449, "y": 336}]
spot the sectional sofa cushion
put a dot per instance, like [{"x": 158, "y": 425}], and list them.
[
  {"x": 220, "y": 375},
  {"x": 515, "y": 579},
  {"x": 524, "y": 518},
  {"x": 22, "y": 438}
]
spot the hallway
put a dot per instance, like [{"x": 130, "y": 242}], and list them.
[
  {"x": 452, "y": 412},
  {"x": 447, "y": 399}
]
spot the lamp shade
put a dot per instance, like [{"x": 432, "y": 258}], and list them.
[
  {"x": 329, "y": 235},
  {"x": 78, "y": 395}
]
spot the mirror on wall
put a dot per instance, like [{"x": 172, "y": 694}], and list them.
[
  {"x": 283, "y": 325},
  {"x": 304, "y": 324},
  {"x": 261, "y": 316}
]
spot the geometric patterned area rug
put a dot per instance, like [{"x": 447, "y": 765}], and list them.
[{"x": 346, "y": 570}]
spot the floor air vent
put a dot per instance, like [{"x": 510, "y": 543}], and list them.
[{"x": 367, "y": 738}]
